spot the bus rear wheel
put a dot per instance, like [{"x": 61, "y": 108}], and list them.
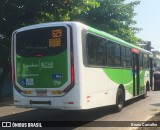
[{"x": 119, "y": 100}]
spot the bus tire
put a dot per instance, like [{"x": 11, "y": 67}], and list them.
[{"x": 119, "y": 100}]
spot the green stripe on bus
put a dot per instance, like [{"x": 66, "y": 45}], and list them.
[{"x": 124, "y": 77}]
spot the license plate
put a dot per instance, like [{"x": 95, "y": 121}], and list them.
[{"x": 41, "y": 92}]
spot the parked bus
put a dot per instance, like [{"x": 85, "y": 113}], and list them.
[{"x": 71, "y": 66}]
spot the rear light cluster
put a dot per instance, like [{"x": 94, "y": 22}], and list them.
[
  {"x": 13, "y": 64},
  {"x": 12, "y": 53},
  {"x": 72, "y": 75},
  {"x": 72, "y": 63},
  {"x": 72, "y": 58}
]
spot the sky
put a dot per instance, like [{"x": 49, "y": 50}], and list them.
[{"x": 148, "y": 18}]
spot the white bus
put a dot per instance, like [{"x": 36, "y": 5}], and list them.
[{"x": 71, "y": 66}]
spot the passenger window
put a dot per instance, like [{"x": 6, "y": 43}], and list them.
[
  {"x": 123, "y": 56},
  {"x": 141, "y": 60},
  {"x": 145, "y": 61},
  {"x": 96, "y": 50},
  {"x": 128, "y": 58},
  {"x": 114, "y": 54}
]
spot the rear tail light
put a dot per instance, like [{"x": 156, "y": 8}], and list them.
[
  {"x": 13, "y": 64},
  {"x": 12, "y": 53},
  {"x": 72, "y": 63},
  {"x": 72, "y": 74}
]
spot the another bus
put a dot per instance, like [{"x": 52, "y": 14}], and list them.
[{"x": 71, "y": 66}]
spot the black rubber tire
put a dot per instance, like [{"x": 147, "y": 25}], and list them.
[{"x": 119, "y": 100}]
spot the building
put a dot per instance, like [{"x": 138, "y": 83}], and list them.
[{"x": 156, "y": 59}]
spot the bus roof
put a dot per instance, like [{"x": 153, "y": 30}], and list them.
[{"x": 118, "y": 40}]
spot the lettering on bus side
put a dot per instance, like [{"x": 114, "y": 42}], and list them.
[{"x": 46, "y": 65}]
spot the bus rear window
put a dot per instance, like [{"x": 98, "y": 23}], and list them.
[{"x": 41, "y": 41}]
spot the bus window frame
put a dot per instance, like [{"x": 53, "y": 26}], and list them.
[
  {"x": 115, "y": 44},
  {"x": 131, "y": 57},
  {"x": 123, "y": 57},
  {"x": 87, "y": 54}
]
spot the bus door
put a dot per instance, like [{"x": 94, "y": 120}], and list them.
[{"x": 136, "y": 74}]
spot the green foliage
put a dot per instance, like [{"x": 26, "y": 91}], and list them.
[
  {"x": 113, "y": 16},
  {"x": 17, "y": 13}
]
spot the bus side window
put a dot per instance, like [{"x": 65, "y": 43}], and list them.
[
  {"x": 101, "y": 53},
  {"x": 145, "y": 61},
  {"x": 91, "y": 51},
  {"x": 110, "y": 52},
  {"x": 96, "y": 50},
  {"x": 128, "y": 58},
  {"x": 123, "y": 56},
  {"x": 141, "y": 60},
  {"x": 114, "y": 54}
]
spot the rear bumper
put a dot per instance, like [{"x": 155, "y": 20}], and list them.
[
  {"x": 36, "y": 102},
  {"x": 66, "y": 102}
]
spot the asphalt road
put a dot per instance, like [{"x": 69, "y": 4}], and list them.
[{"x": 134, "y": 110}]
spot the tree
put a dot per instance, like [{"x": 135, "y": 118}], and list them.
[
  {"x": 18, "y": 13},
  {"x": 114, "y": 17}
]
